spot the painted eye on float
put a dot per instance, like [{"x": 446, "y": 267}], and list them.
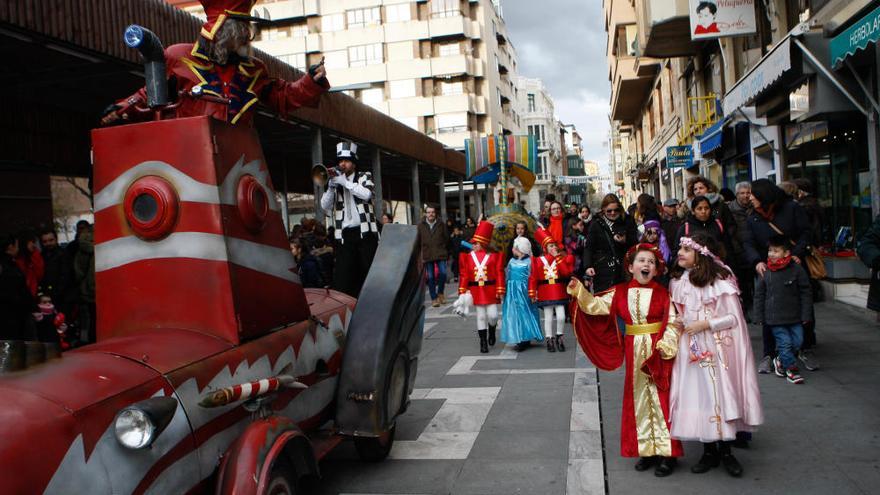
[
  {"x": 253, "y": 203},
  {"x": 151, "y": 207}
]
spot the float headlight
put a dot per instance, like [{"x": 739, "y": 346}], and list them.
[{"x": 139, "y": 424}]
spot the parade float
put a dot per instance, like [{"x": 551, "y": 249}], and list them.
[
  {"x": 214, "y": 370},
  {"x": 506, "y": 161}
]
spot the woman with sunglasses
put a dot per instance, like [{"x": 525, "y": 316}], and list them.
[{"x": 609, "y": 236}]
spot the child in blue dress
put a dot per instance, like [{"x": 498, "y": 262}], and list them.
[{"x": 519, "y": 315}]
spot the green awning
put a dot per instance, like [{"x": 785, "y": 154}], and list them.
[{"x": 856, "y": 37}]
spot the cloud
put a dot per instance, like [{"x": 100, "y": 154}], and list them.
[{"x": 564, "y": 44}]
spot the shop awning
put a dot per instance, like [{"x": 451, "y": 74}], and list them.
[
  {"x": 762, "y": 76},
  {"x": 711, "y": 139},
  {"x": 857, "y": 37}
]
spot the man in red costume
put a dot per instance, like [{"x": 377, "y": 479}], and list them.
[
  {"x": 217, "y": 75},
  {"x": 647, "y": 343},
  {"x": 547, "y": 281},
  {"x": 482, "y": 274}
]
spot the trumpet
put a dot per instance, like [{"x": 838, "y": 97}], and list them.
[{"x": 321, "y": 174}]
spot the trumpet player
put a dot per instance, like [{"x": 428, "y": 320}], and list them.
[{"x": 348, "y": 200}]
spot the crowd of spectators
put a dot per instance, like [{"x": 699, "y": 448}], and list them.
[{"x": 40, "y": 280}]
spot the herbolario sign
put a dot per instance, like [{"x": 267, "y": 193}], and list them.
[
  {"x": 856, "y": 37},
  {"x": 715, "y": 19}
]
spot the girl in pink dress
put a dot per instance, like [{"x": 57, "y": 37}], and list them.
[{"x": 714, "y": 391}]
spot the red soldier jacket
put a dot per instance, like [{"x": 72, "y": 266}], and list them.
[
  {"x": 483, "y": 275},
  {"x": 549, "y": 277},
  {"x": 204, "y": 88}
]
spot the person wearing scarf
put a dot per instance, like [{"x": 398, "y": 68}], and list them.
[
  {"x": 631, "y": 324},
  {"x": 771, "y": 205},
  {"x": 557, "y": 223}
]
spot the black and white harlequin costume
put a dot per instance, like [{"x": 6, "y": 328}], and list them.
[{"x": 348, "y": 199}]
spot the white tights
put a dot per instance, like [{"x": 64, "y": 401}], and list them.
[
  {"x": 487, "y": 315},
  {"x": 548, "y": 319}
]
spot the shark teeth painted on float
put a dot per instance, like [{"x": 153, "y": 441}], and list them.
[{"x": 76, "y": 474}]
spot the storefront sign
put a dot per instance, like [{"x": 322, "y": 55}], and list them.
[
  {"x": 857, "y": 37},
  {"x": 679, "y": 156},
  {"x": 717, "y": 18}
]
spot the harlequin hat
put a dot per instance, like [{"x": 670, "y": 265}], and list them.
[
  {"x": 217, "y": 11},
  {"x": 346, "y": 150},
  {"x": 544, "y": 238},
  {"x": 643, "y": 246},
  {"x": 483, "y": 233}
]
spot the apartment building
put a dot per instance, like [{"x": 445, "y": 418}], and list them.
[
  {"x": 537, "y": 114},
  {"x": 793, "y": 98},
  {"x": 443, "y": 67}
]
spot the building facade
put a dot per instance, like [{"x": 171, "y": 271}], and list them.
[
  {"x": 793, "y": 98},
  {"x": 538, "y": 117},
  {"x": 443, "y": 67}
]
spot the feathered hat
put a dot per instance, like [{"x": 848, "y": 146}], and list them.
[{"x": 217, "y": 11}]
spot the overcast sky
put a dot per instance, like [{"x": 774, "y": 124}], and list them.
[{"x": 562, "y": 42}]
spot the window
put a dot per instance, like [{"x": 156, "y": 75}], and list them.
[
  {"x": 405, "y": 88},
  {"x": 537, "y": 130},
  {"x": 542, "y": 167},
  {"x": 299, "y": 30},
  {"x": 363, "y": 17},
  {"x": 275, "y": 34},
  {"x": 452, "y": 122},
  {"x": 332, "y": 22},
  {"x": 448, "y": 49},
  {"x": 297, "y": 60},
  {"x": 445, "y": 8},
  {"x": 398, "y": 13},
  {"x": 372, "y": 97},
  {"x": 336, "y": 60},
  {"x": 411, "y": 122},
  {"x": 451, "y": 88},
  {"x": 359, "y": 56},
  {"x": 531, "y": 98},
  {"x": 500, "y": 102}
]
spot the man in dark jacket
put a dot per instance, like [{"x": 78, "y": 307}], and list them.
[
  {"x": 784, "y": 302},
  {"x": 669, "y": 220},
  {"x": 16, "y": 301},
  {"x": 435, "y": 240},
  {"x": 869, "y": 252},
  {"x": 58, "y": 276}
]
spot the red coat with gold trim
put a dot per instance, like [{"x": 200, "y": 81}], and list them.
[
  {"x": 548, "y": 282},
  {"x": 486, "y": 285},
  {"x": 204, "y": 88}
]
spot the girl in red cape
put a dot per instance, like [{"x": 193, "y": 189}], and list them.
[{"x": 647, "y": 341}]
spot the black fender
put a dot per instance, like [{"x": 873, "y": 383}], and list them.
[{"x": 384, "y": 337}]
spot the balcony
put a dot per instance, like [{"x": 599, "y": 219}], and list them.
[
  {"x": 453, "y": 26},
  {"x": 452, "y": 65},
  {"x": 341, "y": 40},
  {"x": 665, "y": 28},
  {"x": 454, "y": 103},
  {"x": 405, "y": 31},
  {"x": 647, "y": 66},
  {"x": 411, "y": 107},
  {"x": 294, "y": 9},
  {"x": 310, "y": 43},
  {"x": 354, "y": 75},
  {"x": 628, "y": 91},
  {"x": 703, "y": 112},
  {"x": 408, "y": 69}
]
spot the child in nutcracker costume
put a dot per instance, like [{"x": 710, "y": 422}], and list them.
[
  {"x": 550, "y": 274},
  {"x": 634, "y": 323},
  {"x": 482, "y": 274}
]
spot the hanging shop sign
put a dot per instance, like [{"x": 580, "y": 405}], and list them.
[
  {"x": 719, "y": 18},
  {"x": 679, "y": 156},
  {"x": 856, "y": 37}
]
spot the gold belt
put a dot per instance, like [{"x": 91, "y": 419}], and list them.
[{"x": 645, "y": 329}]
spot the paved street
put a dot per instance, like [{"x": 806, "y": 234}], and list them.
[{"x": 536, "y": 423}]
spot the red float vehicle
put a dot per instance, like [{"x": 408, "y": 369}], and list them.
[{"x": 214, "y": 370}]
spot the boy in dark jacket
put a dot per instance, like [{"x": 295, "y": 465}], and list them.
[{"x": 784, "y": 301}]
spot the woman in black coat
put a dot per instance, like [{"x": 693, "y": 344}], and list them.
[
  {"x": 869, "y": 252},
  {"x": 771, "y": 205},
  {"x": 608, "y": 238}
]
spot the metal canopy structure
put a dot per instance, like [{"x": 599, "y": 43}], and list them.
[{"x": 65, "y": 61}]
